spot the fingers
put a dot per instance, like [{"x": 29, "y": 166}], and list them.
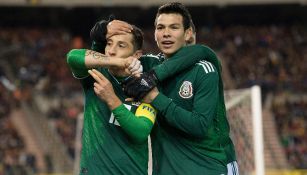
[
  {"x": 116, "y": 27},
  {"x": 120, "y": 25},
  {"x": 133, "y": 63},
  {"x": 97, "y": 76},
  {"x": 94, "y": 75},
  {"x": 96, "y": 88},
  {"x": 138, "y": 72},
  {"x": 129, "y": 61},
  {"x": 110, "y": 34},
  {"x": 135, "y": 66}
]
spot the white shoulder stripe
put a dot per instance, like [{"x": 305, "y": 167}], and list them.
[
  {"x": 151, "y": 55},
  {"x": 210, "y": 64},
  {"x": 203, "y": 67},
  {"x": 208, "y": 67}
]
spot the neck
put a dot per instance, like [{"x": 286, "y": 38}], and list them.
[{"x": 168, "y": 56}]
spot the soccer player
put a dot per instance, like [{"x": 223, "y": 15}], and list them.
[
  {"x": 191, "y": 135},
  {"x": 106, "y": 147}
]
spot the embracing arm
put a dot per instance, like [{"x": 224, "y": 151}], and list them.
[
  {"x": 197, "y": 121},
  {"x": 186, "y": 57}
]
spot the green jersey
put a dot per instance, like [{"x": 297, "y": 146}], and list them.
[
  {"x": 110, "y": 145},
  {"x": 191, "y": 135},
  {"x": 106, "y": 148}
]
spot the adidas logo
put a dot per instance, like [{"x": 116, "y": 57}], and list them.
[{"x": 144, "y": 83}]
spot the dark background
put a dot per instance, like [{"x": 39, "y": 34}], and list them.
[{"x": 78, "y": 20}]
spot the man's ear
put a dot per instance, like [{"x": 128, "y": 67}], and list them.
[
  {"x": 138, "y": 53},
  {"x": 188, "y": 34}
]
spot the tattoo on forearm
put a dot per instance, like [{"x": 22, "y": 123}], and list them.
[
  {"x": 99, "y": 56},
  {"x": 96, "y": 55},
  {"x": 88, "y": 52}
]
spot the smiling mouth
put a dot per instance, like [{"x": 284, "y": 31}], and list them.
[{"x": 167, "y": 44}]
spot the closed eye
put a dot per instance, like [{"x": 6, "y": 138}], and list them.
[
  {"x": 109, "y": 43},
  {"x": 122, "y": 45},
  {"x": 175, "y": 26}
]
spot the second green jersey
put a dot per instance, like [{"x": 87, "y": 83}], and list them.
[{"x": 191, "y": 135}]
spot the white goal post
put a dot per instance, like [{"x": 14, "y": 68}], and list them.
[{"x": 244, "y": 112}]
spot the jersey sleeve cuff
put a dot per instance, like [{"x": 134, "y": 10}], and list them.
[
  {"x": 118, "y": 110},
  {"x": 161, "y": 102}
]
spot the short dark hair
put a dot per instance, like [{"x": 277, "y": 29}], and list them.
[
  {"x": 178, "y": 8},
  {"x": 138, "y": 37}
]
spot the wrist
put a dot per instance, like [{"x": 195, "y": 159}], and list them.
[
  {"x": 114, "y": 103},
  {"x": 153, "y": 95},
  {"x": 116, "y": 62}
]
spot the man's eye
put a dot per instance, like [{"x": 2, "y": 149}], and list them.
[
  {"x": 159, "y": 28},
  {"x": 122, "y": 45}
]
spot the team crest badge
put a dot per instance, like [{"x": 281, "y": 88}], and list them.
[{"x": 186, "y": 90}]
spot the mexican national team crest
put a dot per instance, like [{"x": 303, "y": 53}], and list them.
[{"x": 186, "y": 90}]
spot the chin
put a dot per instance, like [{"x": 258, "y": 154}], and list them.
[{"x": 168, "y": 51}]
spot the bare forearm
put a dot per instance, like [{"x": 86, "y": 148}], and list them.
[
  {"x": 151, "y": 95},
  {"x": 95, "y": 59},
  {"x": 80, "y": 60}
]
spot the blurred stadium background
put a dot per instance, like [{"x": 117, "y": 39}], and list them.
[{"x": 260, "y": 42}]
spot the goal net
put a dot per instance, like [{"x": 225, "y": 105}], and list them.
[{"x": 245, "y": 119}]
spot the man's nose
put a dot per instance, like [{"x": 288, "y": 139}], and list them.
[
  {"x": 166, "y": 32},
  {"x": 112, "y": 51}
]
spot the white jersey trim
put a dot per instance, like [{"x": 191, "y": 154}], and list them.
[
  {"x": 151, "y": 55},
  {"x": 150, "y": 163},
  {"x": 80, "y": 78},
  {"x": 232, "y": 168},
  {"x": 207, "y": 66}
]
